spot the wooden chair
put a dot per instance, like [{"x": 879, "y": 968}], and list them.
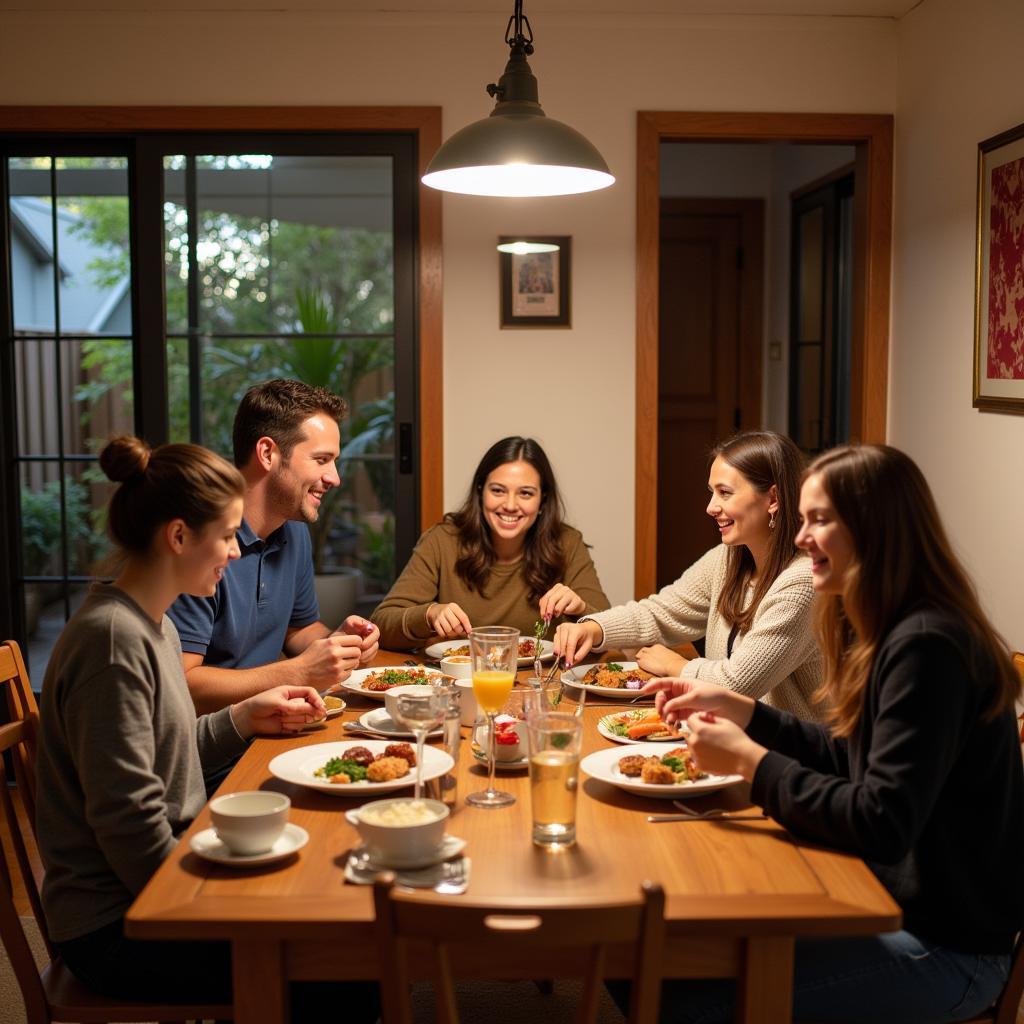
[
  {"x": 22, "y": 707},
  {"x": 1018, "y": 664},
  {"x": 438, "y": 927},
  {"x": 54, "y": 994}
]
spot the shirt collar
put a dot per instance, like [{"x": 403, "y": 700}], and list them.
[{"x": 247, "y": 537}]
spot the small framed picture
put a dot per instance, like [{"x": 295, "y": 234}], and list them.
[
  {"x": 999, "y": 292},
  {"x": 535, "y": 282}
]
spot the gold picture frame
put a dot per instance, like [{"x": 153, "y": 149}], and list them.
[{"x": 999, "y": 281}]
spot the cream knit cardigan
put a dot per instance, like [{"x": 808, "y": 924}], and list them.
[{"x": 777, "y": 659}]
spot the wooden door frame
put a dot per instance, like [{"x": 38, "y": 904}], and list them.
[
  {"x": 423, "y": 122},
  {"x": 871, "y": 135}
]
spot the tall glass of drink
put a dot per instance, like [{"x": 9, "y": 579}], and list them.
[
  {"x": 554, "y": 772},
  {"x": 495, "y": 654}
]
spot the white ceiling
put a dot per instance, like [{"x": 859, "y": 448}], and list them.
[{"x": 821, "y": 8}]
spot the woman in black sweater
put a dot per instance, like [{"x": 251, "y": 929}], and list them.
[{"x": 919, "y": 771}]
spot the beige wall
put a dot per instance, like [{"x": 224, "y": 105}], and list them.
[
  {"x": 572, "y": 389},
  {"x": 959, "y": 72}
]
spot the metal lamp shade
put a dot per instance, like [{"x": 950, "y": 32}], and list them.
[{"x": 516, "y": 154}]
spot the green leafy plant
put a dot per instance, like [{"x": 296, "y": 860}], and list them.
[{"x": 41, "y": 523}]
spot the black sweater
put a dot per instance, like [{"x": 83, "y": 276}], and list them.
[{"x": 925, "y": 791}]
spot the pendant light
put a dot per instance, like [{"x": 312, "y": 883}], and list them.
[{"x": 517, "y": 150}]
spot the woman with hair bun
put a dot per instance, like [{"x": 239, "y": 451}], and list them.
[
  {"x": 750, "y": 597},
  {"x": 506, "y": 557},
  {"x": 122, "y": 755}
]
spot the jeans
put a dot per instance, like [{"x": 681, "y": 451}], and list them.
[
  {"x": 895, "y": 978},
  {"x": 197, "y": 972}
]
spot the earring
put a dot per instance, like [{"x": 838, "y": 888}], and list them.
[{"x": 771, "y": 520}]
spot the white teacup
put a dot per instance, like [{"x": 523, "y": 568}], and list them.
[
  {"x": 468, "y": 710},
  {"x": 400, "y": 831},
  {"x": 391, "y": 697},
  {"x": 249, "y": 822},
  {"x": 459, "y": 666}
]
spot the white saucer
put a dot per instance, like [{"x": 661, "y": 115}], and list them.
[
  {"x": 480, "y": 753},
  {"x": 207, "y": 845},
  {"x": 378, "y": 720},
  {"x": 450, "y": 847}
]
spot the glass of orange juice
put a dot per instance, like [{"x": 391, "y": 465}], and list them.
[{"x": 495, "y": 654}]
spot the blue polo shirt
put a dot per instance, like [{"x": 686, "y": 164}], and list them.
[{"x": 263, "y": 594}]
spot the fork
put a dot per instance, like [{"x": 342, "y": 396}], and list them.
[
  {"x": 453, "y": 877},
  {"x": 711, "y": 814}
]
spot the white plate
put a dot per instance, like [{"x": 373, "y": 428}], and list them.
[
  {"x": 207, "y": 845},
  {"x": 380, "y": 721},
  {"x": 298, "y": 765},
  {"x": 354, "y": 683},
  {"x": 436, "y": 651},
  {"x": 604, "y": 766},
  {"x": 604, "y": 728},
  {"x": 573, "y": 677}
]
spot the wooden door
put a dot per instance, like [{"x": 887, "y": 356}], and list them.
[{"x": 709, "y": 358}]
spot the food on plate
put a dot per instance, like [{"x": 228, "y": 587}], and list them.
[
  {"x": 615, "y": 677},
  {"x": 347, "y": 768},
  {"x": 674, "y": 768},
  {"x": 402, "y": 750},
  {"x": 333, "y": 703},
  {"x": 361, "y": 756},
  {"x": 377, "y": 682},
  {"x": 387, "y": 769},
  {"x": 639, "y": 724},
  {"x": 526, "y": 649}
]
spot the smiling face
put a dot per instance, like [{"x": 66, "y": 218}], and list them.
[
  {"x": 741, "y": 511},
  {"x": 511, "y": 500},
  {"x": 297, "y": 485},
  {"x": 824, "y": 536},
  {"x": 205, "y": 553}
]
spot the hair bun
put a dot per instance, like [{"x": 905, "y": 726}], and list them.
[{"x": 125, "y": 457}]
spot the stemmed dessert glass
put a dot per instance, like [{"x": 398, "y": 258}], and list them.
[
  {"x": 495, "y": 654},
  {"x": 421, "y": 712}
]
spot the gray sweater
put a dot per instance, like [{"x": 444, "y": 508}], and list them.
[
  {"x": 777, "y": 660},
  {"x": 121, "y": 760}
]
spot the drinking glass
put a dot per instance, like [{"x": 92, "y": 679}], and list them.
[
  {"x": 549, "y": 691},
  {"x": 420, "y": 713},
  {"x": 554, "y": 772},
  {"x": 495, "y": 654}
]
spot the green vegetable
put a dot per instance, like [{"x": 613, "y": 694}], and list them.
[
  {"x": 336, "y": 766},
  {"x": 613, "y": 667},
  {"x": 539, "y": 629},
  {"x": 560, "y": 740},
  {"x": 677, "y": 764}
]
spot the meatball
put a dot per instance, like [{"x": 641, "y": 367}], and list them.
[
  {"x": 656, "y": 772},
  {"x": 402, "y": 750},
  {"x": 361, "y": 756},
  {"x": 385, "y": 769},
  {"x": 632, "y": 765}
]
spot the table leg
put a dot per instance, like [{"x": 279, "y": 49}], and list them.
[
  {"x": 764, "y": 993},
  {"x": 260, "y": 990}
]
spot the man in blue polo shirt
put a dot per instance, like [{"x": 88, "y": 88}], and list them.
[{"x": 286, "y": 442}]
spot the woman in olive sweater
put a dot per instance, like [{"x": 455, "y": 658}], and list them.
[
  {"x": 919, "y": 772},
  {"x": 504, "y": 558}
]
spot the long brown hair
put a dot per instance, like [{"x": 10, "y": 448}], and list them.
[
  {"x": 174, "y": 481},
  {"x": 543, "y": 558},
  {"x": 764, "y": 458},
  {"x": 902, "y": 560}
]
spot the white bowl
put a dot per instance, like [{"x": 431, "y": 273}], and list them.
[
  {"x": 509, "y": 751},
  {"x": 398, "y": 843},
  {"x": 460, "y": 666},
  {"x": 249, "y": 822},
  {"x": 468, "y": 711},
  {"x": 391, "y": 697}
]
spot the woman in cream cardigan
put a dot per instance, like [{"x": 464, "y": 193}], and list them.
[{"x": 750, "y": 597}]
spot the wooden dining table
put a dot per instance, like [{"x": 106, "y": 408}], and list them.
[{"x": 738, "y": 893}]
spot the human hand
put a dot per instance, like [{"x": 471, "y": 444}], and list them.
[
  {"x": 279, "y": 709},
  {"x": 573, "y": 640},
  {"x": 660, "y": 661},
  {"x": 722, "y": 747},
  {"x": 329, "y": 660},
  {"x": 448, "y": 620},
  {"x": 356, "y": 625},
  {"x": 560, "y": 600},
  {"x": 677, "y": 699}
]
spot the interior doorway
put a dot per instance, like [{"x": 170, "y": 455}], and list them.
[
  {"x": 710, "y": 298},
  {"x": 871, "y": 137}
]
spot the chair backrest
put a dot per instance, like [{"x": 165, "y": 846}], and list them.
[
  {"x": 636, "y": 930},
  {"x": 21, "y": 703},
  {"x": 12, "y": 736}
]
